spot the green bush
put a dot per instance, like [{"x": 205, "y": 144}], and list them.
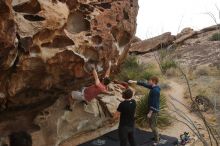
[
  {"x": 139, "y": 90},
  {"x": 131, "y": 62},
  {"x": 215, "y": 37},
  {"x": 168, "y": 64},
  {"x": 132, "y": 69},
  {"x": 147, "y": 74},
  {"x": 141, "y": 112}
]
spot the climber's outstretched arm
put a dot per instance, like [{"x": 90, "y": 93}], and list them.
[
  {"x": 108, "y": 71},
  {"x": 96, "y": 77}
]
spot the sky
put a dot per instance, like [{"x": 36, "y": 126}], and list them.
[{"x": 158, "y": 16}]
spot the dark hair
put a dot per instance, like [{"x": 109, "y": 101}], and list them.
[
  {"x": 20, "y": 139},
  {"x": 127, "y": 94},
  {"x": 106, "y": 81},
  {"x": 154, "y": 79}
]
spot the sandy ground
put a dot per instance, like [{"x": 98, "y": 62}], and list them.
[{"x": 177, "y": 128}]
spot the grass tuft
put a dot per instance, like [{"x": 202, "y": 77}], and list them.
[
  {"x": 168, "y": 64},
  {"x": 215, "y": 37}
]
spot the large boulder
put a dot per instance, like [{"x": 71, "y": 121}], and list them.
[
  {"x": 185, "y": 34},
  {"x": 195, "y": 48},
  {"x": 44, "y": 45},
  {"x": 152, "y": 44},
  {"x": 59, "y": 126}
]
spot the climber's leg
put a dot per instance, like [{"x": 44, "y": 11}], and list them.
[
  {"x": 77, "y": 95},
  {"x": 74, "y": 96}
]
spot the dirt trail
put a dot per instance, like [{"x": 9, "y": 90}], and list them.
[{"x": 177, "y": 128}]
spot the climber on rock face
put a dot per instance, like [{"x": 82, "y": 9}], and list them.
[{"x": 89, "y": 93}]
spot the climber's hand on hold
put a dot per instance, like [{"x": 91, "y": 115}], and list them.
[{"x": 92, "y": 66}]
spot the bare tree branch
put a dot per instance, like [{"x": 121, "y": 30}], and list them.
[
  {"x": 210, "y": 132},
  {"x": 189, "y": 121}
]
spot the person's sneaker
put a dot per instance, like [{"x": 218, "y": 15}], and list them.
[{"x": 68, "y": 108}]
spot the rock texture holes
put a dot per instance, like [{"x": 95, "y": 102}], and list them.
[
  {"x": 59, "y": 42},
  {"x": 43, "y": 34},
  {"x": 4, "y": 9},
  {"x": 77, "y": 23},
  {"x": 105, "y": 5},
  {"x": 97, "y": 39},
  {"x": 109, "y": 25},
  {"x": 42, "y": 64},
  {"x": 122, "y": 37},
  {"x": 126, "y": 16},
  {"x": 35, "y": 49},
  {"x": 95, "y": 22},
  {"x": 72, "y": 4},
  {"x": 34, "y": 18},
  {"x": 10, "y": 27},
  {"x": 88, "y": 34},
  {"x": 114, "y": 32},
  {"x": 25, "y": 43},
  {"x": 86, "y": 8},
  {"x": 31, "y": 7}
]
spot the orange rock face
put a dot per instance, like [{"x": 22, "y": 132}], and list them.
[{"x": 44, "y": 45}]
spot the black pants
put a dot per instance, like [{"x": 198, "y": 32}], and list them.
[{"x": 126, "y": 134}]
